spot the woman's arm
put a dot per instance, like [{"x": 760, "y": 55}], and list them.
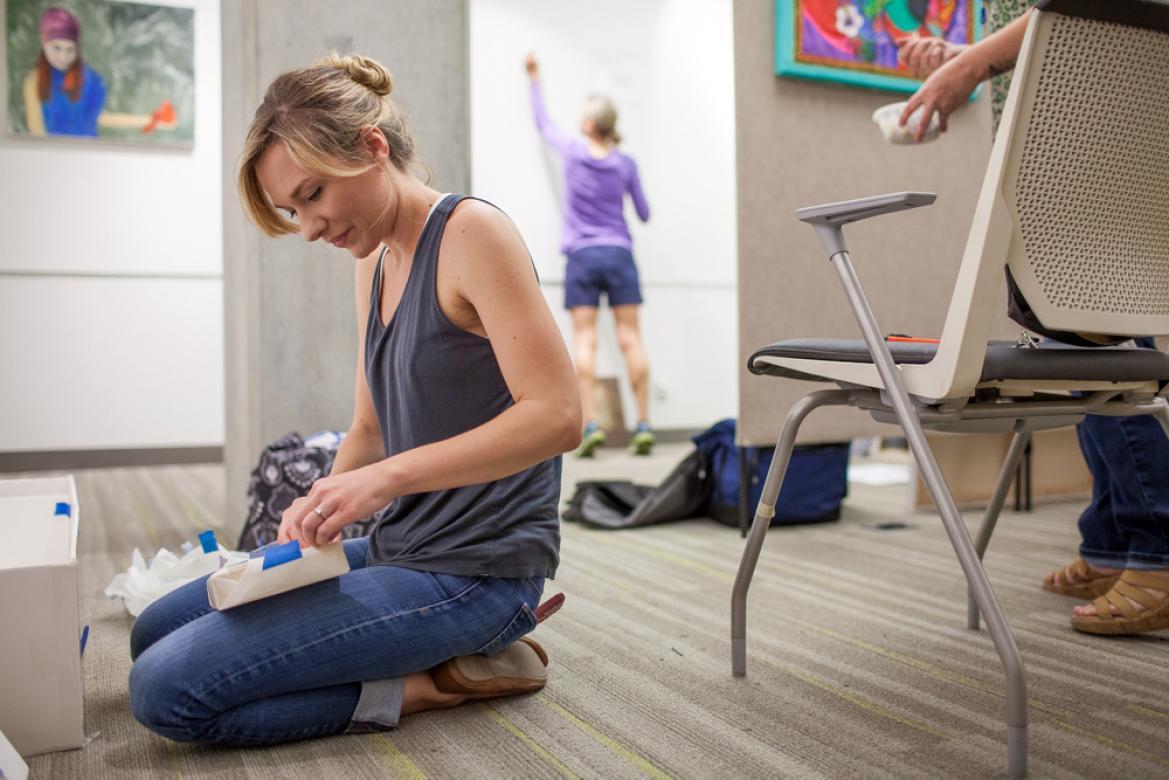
[
  {"x": 551, "y": 132},
  {"x": 34, "y": 115},
  {"x": 952, "y": 84},
  {"x": 362, "y": 444},
  {"x": 493, "y": 276},
  {"x": 635, "y": 192}
]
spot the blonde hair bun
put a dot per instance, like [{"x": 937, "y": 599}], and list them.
[
  {"x": 366, "y": 71},
  {"x": 318, "y": 113}
]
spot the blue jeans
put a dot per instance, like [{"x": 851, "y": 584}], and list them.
[
  {"x": 321, "y": 660},
  {"x": 1127, "y": 524}
]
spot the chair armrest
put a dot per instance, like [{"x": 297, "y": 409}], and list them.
[
  {"x": 828, "y": 219},
  {"x": 862, "y": 208}
]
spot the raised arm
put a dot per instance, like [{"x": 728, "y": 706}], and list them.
[
  {"x": 635, "y": 192},
  {"x": 551, "y": 133},
  {"x": 484, "y": 254}
]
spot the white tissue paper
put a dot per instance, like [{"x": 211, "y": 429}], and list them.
[
  {"x": 274, "y": 569},
  {"x": 887, "y": 117},
  {"x": 144, "y": 583}
]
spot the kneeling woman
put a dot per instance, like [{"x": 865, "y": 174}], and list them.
[{"x": 465, "y": 398}]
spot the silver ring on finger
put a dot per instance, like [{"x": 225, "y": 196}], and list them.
[{"x": 323, "y": 516}]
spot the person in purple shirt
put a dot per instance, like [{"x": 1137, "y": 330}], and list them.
[{"x": 596, "y": 240}]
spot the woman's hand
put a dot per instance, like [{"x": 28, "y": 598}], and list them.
[
  {"x": 943, "y": 92},
  {"x": 531, "y": 66},
  {"x": 334, "y": 502},
  {"x": 922, "y": 56}
]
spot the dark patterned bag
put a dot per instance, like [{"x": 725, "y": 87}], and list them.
[{"x": 288, "y": 468}]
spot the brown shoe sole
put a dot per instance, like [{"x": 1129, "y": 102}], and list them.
[
  {"x": 1155, "y": 621},
  {"x": 513, "y": 671}
]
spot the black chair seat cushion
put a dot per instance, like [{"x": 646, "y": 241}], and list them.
[{"x": 1004, "y": 360}]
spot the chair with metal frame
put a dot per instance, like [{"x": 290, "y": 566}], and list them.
[{"x": 1075, "y": 207}]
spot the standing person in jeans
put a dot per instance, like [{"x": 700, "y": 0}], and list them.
[
  {"x": 464, "y": 400},
  {"x": 596, "y": 240},
  {"x": 1124, "y": 553}
]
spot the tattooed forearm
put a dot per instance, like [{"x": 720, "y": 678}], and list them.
[{"x": 1000, "y": 66}]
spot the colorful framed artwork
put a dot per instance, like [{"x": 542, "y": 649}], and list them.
[
  {"x": 101, "y": 69},
  {"x": 855, "y": 41}
]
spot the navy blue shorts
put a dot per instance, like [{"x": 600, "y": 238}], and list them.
[{"x": 596, "y": 269}]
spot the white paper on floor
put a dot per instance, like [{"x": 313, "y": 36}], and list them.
[
  {"x": 144, "y": 583},
  {"x": 879, "y": 473}
]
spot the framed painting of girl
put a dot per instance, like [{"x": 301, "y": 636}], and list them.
[
  {"x": 101, "y": 70},
  {"x": 857, "y": 41}
]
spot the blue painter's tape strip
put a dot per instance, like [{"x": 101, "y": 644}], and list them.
[
  {"x": 207, "y": 539},
  {"x": 84, "y": 638},
  {"x": 261, "y": 550},
  {"x": 281, "y": 553},
  {"x": 63, "y": 508}
]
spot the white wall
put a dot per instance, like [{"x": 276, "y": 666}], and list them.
[
  {"x": 668, "y": 65},
  {"x": 111, "y": 284}
]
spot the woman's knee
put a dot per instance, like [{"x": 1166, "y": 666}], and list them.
[
  {"x": 584, "y": 355},
  {"x": 151, "y": 625},
  {"x": 585, "y": 338},
  {"x": 167, "y": 614},
  {"x": 628, "y": 337},
  {"x": 161, "y": 703}
]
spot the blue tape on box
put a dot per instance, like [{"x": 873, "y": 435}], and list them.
[
  {"x": 261, "y": 550},
  {"x": 281, "y": 553},
  {"x": 207, "y": 539},
  {"x": 84, "y": 638},
  {"x": 63, "y": 508}
]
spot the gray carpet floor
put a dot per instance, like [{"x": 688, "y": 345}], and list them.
[{"x": 859, "y": 662}]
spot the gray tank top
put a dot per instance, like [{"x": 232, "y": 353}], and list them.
[{"x": 429, "y": 381}]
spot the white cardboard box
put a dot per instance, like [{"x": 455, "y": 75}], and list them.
[
  {"x": 40, "y": 620},
  {"x": 12, "y": 766}
]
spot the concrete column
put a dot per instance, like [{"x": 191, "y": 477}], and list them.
[{"x": 290, "y": 327}]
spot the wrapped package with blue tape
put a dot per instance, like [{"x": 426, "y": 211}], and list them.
[{"x": 274, "y": 569}]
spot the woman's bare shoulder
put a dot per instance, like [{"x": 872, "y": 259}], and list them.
[{"x": 481, "y": 227}]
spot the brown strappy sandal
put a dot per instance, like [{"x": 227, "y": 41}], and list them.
[
  {"x": 1130, "y": 588},
  {"x": 1079, "y": 581}
]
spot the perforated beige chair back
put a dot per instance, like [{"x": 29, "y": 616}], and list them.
[{"x": 1086, "y": 178}]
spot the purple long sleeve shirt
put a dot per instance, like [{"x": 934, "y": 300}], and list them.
[{"x": 594, "y": 188}]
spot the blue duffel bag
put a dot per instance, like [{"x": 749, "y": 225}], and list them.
[{"x": 812, "y": 492}]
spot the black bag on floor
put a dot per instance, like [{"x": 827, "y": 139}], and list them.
[
  {"x": 288, "y": 467},
  {"x": 620, "y": 504},
  {"x": 706, "y": 484}
]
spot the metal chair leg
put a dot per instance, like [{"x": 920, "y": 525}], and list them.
[
  {"x": 996, "y": 622},
  {"x": 744, "y": 492},
  {"x": 763, "y": 514},
  {"x": 984, "y": 598},
  {"x": 994, "y": 507}
]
